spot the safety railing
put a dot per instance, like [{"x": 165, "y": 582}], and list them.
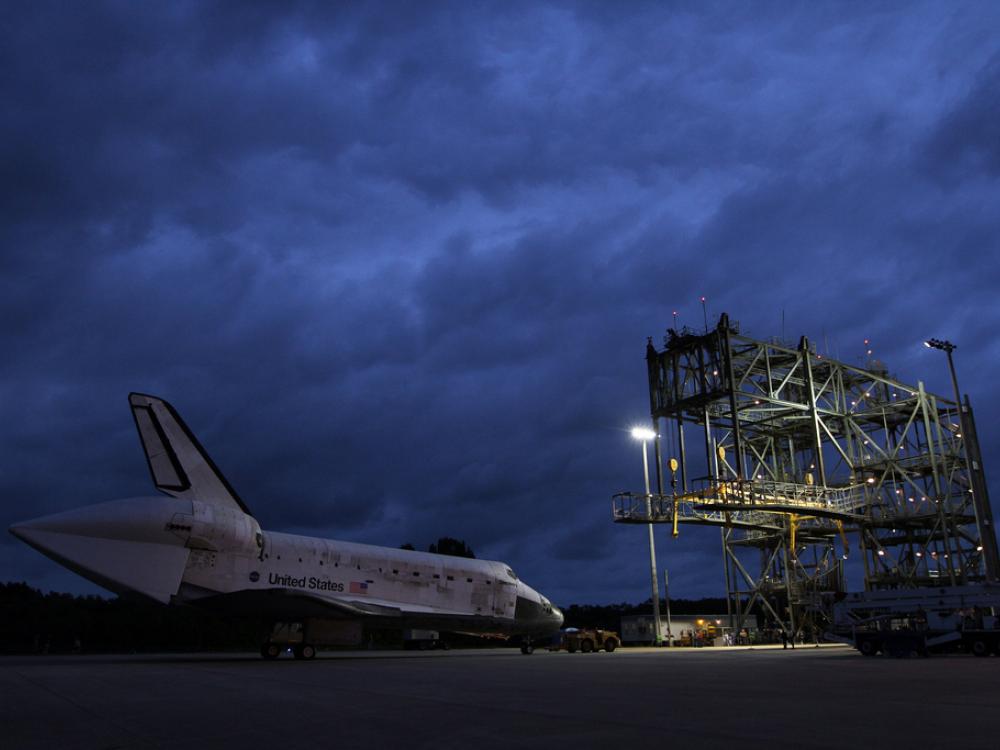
[{"x": 755, "y": 503}]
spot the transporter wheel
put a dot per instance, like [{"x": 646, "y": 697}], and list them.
[
  {"x": 610, "y": 645},
  {"x": 527, "y": 649},
  {"x": 270, "y": 650},
  {"x": 868, "y": 648},
  {"x": 571, "y": 647},
  {"x": 586, "y": 645},
  {"x": 980, "y": 647},
  {"x": 305, "y": 651}
]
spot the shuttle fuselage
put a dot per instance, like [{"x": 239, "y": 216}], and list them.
[{"x": 200, "y": 545}]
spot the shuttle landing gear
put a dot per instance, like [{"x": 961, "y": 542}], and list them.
[
  {"x": 272, "y": 650},
  {"x": 527, "y": 647},
  {"x": 288, "y": 636}
]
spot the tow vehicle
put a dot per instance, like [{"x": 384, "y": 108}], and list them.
[{"x": 587, "y": 640}]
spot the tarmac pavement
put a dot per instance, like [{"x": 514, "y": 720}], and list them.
[{"x": 738, "y": 697}]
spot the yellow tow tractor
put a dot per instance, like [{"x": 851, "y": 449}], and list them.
[{"x": 587, "y": 640}]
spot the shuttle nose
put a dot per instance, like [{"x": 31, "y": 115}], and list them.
[
  {"x": 535, "y": 614},
  {"x": 557, "y": 615}
]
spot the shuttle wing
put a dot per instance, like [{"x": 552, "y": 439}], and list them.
[
  {"x": 288, "y": 604},
  {"x": 179, "y": 465}
]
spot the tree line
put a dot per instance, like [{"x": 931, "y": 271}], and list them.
[
  {"x": 35, "y": 622},
  {"x": 446, "y": 546}
]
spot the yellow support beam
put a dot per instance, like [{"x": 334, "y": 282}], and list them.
[{"x": 843, "y": 536}]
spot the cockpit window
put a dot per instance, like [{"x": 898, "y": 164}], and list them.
[{"x": 511, "y": 573}]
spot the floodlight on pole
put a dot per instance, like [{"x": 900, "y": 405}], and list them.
[
  {"x": 982, "y": 515},
  {"x": 644, "y": 435},
  {"x": 945, "y": 346}
]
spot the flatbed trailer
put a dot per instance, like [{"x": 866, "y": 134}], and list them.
[{"x": 917, "y": 622}]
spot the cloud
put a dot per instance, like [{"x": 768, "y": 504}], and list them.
[
  {"x": 397, "y": 267},
  {"x": 963, "y": 145}
]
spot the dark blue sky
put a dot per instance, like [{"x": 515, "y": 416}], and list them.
[{"x": 396, "y": 264}]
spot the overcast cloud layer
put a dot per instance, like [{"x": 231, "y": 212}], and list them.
[{"x": 396, "y": 264}]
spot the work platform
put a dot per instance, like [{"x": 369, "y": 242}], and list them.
[
  {"x": 753, "y": 504},
  {"x": 803, "y": 460}
]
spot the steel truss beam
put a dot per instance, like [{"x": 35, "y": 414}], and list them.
[{"x": 801, "y": 449}]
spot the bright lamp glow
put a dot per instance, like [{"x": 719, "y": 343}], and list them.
[
  {"x": 643, "y": 433},
  {"x": 945, "y": 346}
]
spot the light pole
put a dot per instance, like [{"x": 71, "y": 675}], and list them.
[
  {"x": 987, "y": 539},
  {"x": 947, "y": 347},
  {"x": 645, "y": 435},
  {"x": 666, "y": 590}
]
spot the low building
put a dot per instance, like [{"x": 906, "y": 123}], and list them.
[{"x": 685, "y": 630}]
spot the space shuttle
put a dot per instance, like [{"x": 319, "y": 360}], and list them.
[{"x": 199, "y": 544}]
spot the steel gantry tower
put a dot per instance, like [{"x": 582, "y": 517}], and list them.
[{"x": 803, "y": 460}]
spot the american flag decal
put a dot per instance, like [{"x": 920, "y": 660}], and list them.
[{"x": 359, "y": 587}]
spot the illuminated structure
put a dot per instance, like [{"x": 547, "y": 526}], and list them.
[{"x": 802, "y": 458}]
